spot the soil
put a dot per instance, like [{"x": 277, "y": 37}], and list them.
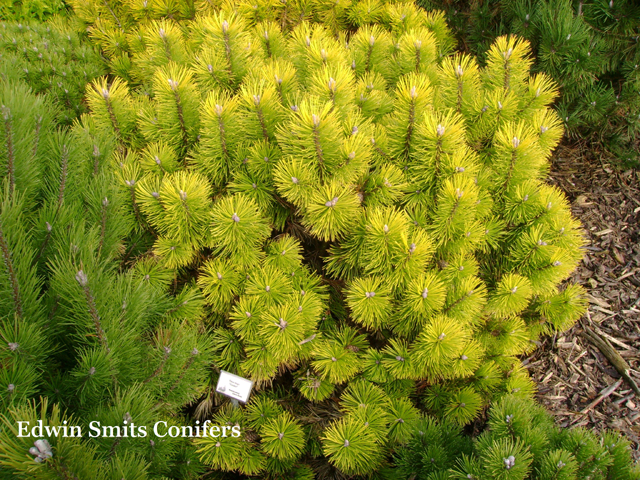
[{"x": 576, "y": 383}]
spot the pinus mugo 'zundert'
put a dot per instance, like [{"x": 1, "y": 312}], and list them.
[{"x": 357, "y": 222}]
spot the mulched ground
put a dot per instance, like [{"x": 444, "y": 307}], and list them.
[{"x": 575, "y": 381}]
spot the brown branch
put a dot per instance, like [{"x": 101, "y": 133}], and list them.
[
  {"x": 167, "y": 352},
  {"x": 6, "y": 113},
  {"x": 83, "y": 280},
  {"x": 13, "y": 278},
  {"x": 64, "y": 171}
]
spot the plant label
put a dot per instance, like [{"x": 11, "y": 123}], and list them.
[{"x": 233, "y": 386}]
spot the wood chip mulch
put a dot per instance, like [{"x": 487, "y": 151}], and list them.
[{"x": 576, "y": 383}]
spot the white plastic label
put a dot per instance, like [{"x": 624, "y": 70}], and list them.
[{"x": 233, "y": 386}]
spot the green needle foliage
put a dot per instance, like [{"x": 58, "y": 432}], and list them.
[
  {"x": 31, "y": 9},
  {"x": 319, "y": 197},
  {"x": 51, "y": 58},
  {"x": 86, "y": 334},
  {"x": 520, "y": 442}
]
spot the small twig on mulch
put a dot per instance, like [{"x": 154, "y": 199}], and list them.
[{"x": 612, "y": 355}]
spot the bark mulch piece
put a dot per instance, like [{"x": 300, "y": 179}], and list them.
[{"x": 575, "y": 381}]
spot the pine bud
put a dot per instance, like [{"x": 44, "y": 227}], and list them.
[
  {"x": 195, "y": 352},
  {"x": 235, "y": 217},
  {"x": 44, "y": 447},
  {"x": 353, "y": 65},
  {"x": 354, "y": 130},
  {"x": 514, "y": 289},
  {"x": 173, "y": 84},
  {"x": 332, "y": 84},
  {"x": 370, "y": 294},
  {"x": 267, "y": 288},
  {"x": 183, "y": 195},
  {"x": 295, "y": 180},
  {"x": 507, "y": 54},
  {"x": 346, "y": 443},
  {"x": 459, "y": 71},
  {"x": 499, "y": 105},
  {"x": 157, "y": 159},
  {"x": 323, "y": 54},
  {"x": 155, "y": 195},
  {"x": 425, "y": 293},
  {"x": 543, "y": 129},
  {"x": 219, "y": 275},
  {"x": 167, "y": 351},
  {"x": 441, "y": 336},
  {"x": 412, "y": 248},
  {"x": 413, "y": 94},
  {"x": 417, "y": 44},
  {"x": 294, "y": 108},
  {"x": 316, "y": 120},
  {"x": 385, "y": 229},
  {"x": 509, "y": 462},
  {"x": 81, "y": 278},
  {"x": 464, "y": 357},
  {"x": 332, "y": 202},
  {"x": 256, "y": 100},
  {"x": 526, "y": 18},
  {"x": 49, "y": 227},
  {"x": 11, "y": 387},
  {"x": 516, "y": 142},
  {"x": 440, "y": 130},
  {"x": 225, "y": 26}
]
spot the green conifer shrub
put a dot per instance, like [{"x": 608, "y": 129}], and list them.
[
  {"x": 357, "y": 222},
  {"x": 590, "y": 49},
  {"x": 83, "y": 337},
  {"x": 520, "y": 442},
  {"x": 51, "y": 58}
]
